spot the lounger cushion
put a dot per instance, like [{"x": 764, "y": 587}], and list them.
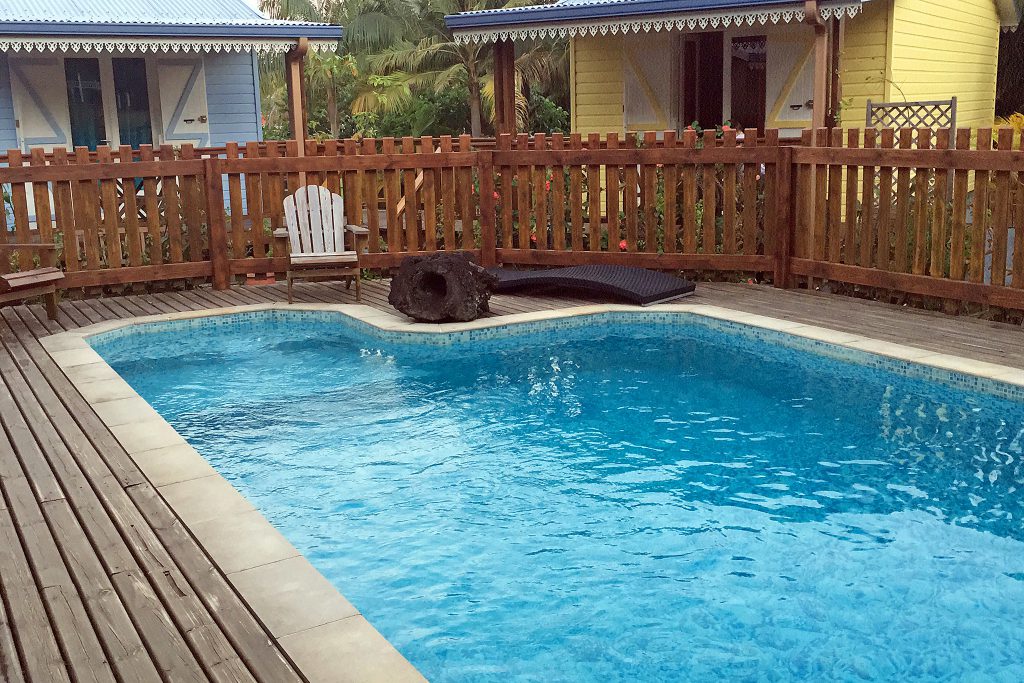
[{"x": 635, "y": 285}]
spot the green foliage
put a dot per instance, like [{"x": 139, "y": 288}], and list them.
[
  {"x": 428, "y": 113},
  {"x": 546, "y": 116},
  {"x": 399, "y": 71}
]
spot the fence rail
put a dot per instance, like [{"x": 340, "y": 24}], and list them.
[{"x": 903, "y": 210}]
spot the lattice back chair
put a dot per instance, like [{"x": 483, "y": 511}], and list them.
[
  {"x": 936, "y": 114},
  {"x": 321, "y": 246}
]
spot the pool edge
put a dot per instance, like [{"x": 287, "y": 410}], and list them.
[{"x": 318, "y": 629}]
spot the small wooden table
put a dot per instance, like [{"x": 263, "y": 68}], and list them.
[{"x": 42, "y": 281}]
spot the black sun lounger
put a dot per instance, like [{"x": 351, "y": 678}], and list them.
[{"x": 635, "y": 285}]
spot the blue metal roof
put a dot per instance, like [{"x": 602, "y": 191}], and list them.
[
  {"x": 575, "y": 10},
  {"x": 171, "y": 18}
]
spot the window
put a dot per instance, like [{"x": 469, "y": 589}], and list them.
[{"x": 85, "y": 102}]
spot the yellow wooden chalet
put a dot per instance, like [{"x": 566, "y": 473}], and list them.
[{"x": 667, "y": 64}]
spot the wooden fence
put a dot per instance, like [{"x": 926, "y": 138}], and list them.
[{"x": 895, "y": 210}]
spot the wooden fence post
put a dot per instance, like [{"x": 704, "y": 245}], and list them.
[
  {"x": 216, "y": 227},
  {"x": 488, "y": 235},
  {"x": 784, "y": 224}
]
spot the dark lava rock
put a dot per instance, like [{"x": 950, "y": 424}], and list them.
[{"x": 441, "y": 288}]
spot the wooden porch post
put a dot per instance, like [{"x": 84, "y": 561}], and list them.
[
  {"x": 505, "y": 87},
  {"x": 295, "y": 68},
  {"x": 822, "y": 63},
  {"x": 835, "y": 91}
]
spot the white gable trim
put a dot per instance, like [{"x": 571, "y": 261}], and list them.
[
  {"x": 648, "y": 24},
  {"x": 15, "y": 44}
]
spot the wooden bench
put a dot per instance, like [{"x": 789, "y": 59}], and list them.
[{"x": 25, "y": 284}]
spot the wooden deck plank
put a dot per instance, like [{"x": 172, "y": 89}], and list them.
[
  {"x": 82, "y": 653},
  {"x": 93, "y": 312},
  {"x": 146, "y": 570},
  {"x": 121, "y": 643},
  {"x": 40, "y": 657},
  {"x": 127, "y": 652},
  {"x": 140, "y": 305},
  {"x": 144, "y": 581},
  {"x": 70, "y": 310},
  {"x": 10, "y": 664},
  {"x": 93, "y": 490}
]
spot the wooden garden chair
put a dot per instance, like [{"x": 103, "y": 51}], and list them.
[
  {"x": 25, "y": 284},
  {"x": 316, "y": 238}
]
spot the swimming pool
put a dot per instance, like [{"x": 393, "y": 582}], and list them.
[{"x": 617, "y": 497}]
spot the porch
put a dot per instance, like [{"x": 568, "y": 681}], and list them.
[{"x": 668, "y": 66}]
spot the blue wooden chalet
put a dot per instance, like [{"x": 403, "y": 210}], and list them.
[{"x": 131, "y": 72}]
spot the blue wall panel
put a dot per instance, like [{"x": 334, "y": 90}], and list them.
[
  {"x": 8, "y": 134},
  {"x": 232, "y": 97}
]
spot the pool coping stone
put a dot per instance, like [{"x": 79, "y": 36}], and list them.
[{"x": 323, "y": 634}]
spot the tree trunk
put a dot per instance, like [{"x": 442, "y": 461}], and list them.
[
  {"x": 332, "y": 109},
  {"x": 475, "y": 119}
]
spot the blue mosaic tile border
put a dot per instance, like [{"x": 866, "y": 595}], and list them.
[{"x": 138, "y": 336}]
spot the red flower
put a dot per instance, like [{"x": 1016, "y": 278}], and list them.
[
  {"x": 547, "y": 185},
  {"x": 623, "y": 246},
  {"x": 533, "y": 237},
  {"x": 497, "y": 196}
]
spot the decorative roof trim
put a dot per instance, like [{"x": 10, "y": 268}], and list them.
[
  {"x": 256, "y": 30},
  {"x": 16, "y": 44},
  {"x": 690, "y": 21}
]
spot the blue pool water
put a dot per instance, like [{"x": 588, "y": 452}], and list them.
[{"x": 625, "y": 500}]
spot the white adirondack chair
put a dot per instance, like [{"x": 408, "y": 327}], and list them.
[{"x": 316, "y": 234}]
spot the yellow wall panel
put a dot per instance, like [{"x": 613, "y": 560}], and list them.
[
  {"x": 596, "y": 84},
  {"x": 942, "y": 48},
  {"x": 864, "y": 61}
]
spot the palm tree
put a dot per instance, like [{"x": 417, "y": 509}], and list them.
[
  {"x": 370, "y": 25},
  {"x": 434, "y": 59},
  {"x": 543, "y": 64},
  {"x": 324, "y": 73}
]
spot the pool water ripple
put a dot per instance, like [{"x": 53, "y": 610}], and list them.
[{"x": 626, "y": 502}]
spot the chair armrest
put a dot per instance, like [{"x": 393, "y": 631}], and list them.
[
  {"x": 360, "y": 238},
  {"x": 281, "y": 243},
  {"x": 40, "y": 247}
]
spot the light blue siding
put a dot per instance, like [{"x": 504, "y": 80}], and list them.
[
  {"x": 232, "y": 97},
  {"x": 8, "y": 134}
]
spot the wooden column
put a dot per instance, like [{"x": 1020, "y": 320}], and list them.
[
  {"x": 505, "y": 87},
  {"x": 837, "y": 36},
  {"x": 822, "y": 63},
  {"x": 295, "y": 69}
]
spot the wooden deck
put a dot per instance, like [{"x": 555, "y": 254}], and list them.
[{"x": 98, "y": 579}]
